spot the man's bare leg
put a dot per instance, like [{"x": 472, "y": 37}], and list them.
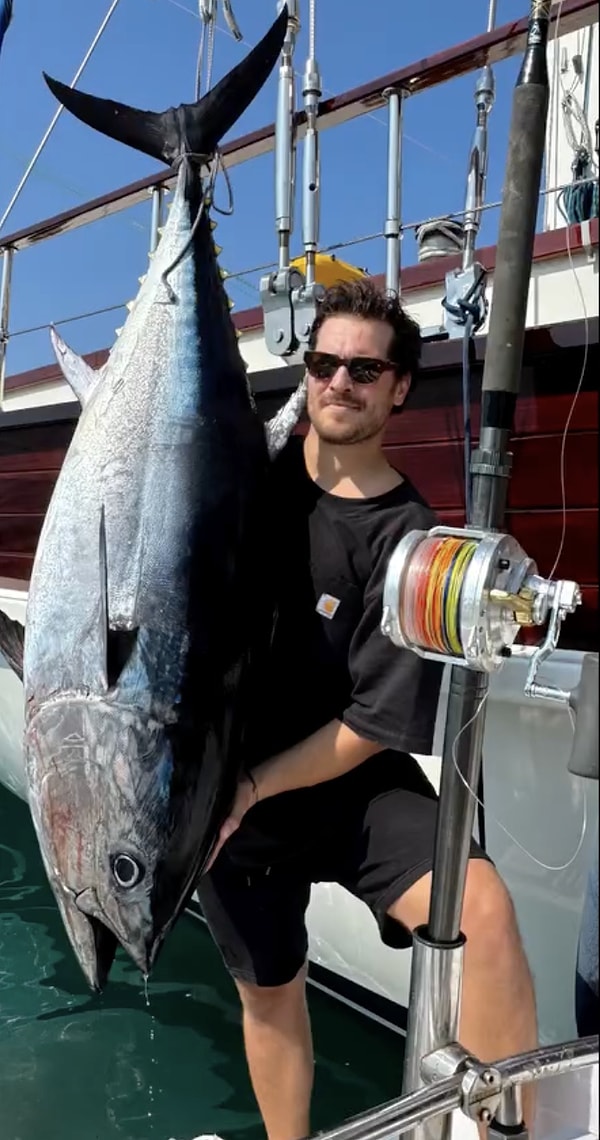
[
  {"x": 279, "y": 1052},
  {"x": 498, "y": 1015}
]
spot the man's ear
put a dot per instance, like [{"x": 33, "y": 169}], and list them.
[{"x": 402, "y": 389}]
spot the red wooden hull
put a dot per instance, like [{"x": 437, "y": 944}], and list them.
[{"x": 425, "y": 442}]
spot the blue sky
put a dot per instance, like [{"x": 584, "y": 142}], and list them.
[{"x": 147, "y": 57}]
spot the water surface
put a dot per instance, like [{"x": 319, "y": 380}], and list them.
[{"x": 74, "y": 1066}]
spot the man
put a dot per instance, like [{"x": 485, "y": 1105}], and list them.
[{"x": 332, "y": 793}]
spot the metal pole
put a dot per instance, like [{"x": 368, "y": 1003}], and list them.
[
  {"x": 485, "y": 92},
  {"x": 7, "y": 264},
  {"x": 310, "y": 191},
  {"x": 509, "y": 1116},
  {"x": 58, "y": 112},
  {"x": 285, "y": 147},
  {"x": 392, "y": 229},
  {"x": 490, "y": 468}
]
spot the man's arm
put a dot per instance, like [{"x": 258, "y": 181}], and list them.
[{"x": 327, "y": 753}]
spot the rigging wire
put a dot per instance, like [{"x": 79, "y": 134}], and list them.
[
  {"x": 472, "y": 306},
  {"x": 88, "y": 55},
  {"x": 326, "y": 90},
  {"x": 267, "y": 265}
]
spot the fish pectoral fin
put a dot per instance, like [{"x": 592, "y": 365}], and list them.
[
  {"x": 12, "y": 637},
  {"x": 117, "y": 643},
  {"x": 79, "y": 376},
  {"x": 120, "y": 646},
  {"x": 279, "y": 429}
]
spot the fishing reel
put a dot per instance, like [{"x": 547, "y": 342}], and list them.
[{"x": 461, "y": 596}]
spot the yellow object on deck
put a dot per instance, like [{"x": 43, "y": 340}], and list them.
[{"x": 329, "y": 269}]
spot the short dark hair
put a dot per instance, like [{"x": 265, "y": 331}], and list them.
[{"x": 364, "y": 299}]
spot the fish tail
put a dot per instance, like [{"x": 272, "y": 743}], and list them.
[{"x": 192, "y": 128}]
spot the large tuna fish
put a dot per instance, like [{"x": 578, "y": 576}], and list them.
[{"x": 148, "y": 604}]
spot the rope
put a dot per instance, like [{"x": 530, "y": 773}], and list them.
[
  {"x": 208, "y": 12},
  {"x": 579, "y": 204},
  {"x": 208, "y": 18}
]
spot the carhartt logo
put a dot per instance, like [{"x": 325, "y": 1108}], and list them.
[{"x": 327, "y": 606}]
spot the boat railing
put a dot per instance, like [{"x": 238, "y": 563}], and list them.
[
  {"x": 144, "y": 199},
  {"x": 484, "y": 1093}
]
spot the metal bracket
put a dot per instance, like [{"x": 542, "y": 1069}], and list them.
[
  {"x": 481, "y": 1089},
  {"x": 481, "y": 1085},
  {"x": 304, "y": 304},
  {"x": 486, "y": 462},
  {"x": 276, "y": 295},
  {"x": 465, "y": 300},
  {"x": 289, "y": 307}
]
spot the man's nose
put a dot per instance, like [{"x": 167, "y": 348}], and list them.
[{"x": 341, "y": 380}]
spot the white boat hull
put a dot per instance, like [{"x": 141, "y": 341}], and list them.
[{"x": 528, "y": 791}]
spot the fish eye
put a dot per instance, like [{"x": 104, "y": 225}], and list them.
[{"x": 126, "y": 870}]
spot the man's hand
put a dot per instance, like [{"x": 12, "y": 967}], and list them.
[{"x": 245, "y": 798}]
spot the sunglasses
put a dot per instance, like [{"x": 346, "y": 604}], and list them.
[{"x": 361, "y": 369}]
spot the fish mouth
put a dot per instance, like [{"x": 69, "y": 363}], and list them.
[{"x": 95, "y": 945}]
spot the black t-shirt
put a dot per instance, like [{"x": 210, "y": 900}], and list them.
[{"x": 329, "y": 658}]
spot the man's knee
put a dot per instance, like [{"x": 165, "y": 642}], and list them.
[
  {"x": 489, "y": 921},
  {"x": 488, "y": 917},
  {"x": 270, "y": 1003}
]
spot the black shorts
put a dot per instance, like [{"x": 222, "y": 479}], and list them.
[{"x": 372, "y": 831}]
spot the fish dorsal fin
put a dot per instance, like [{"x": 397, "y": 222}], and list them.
[
  {"x": 12, "y": 637},
  {"x": 79, "y": 376}
]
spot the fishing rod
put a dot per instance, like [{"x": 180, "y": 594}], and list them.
[{"x": 461, "y": 596}]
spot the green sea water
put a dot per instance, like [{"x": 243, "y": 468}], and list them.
[{"x": 74, "y": 1066}]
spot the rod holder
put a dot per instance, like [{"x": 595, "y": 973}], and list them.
[{"x": 433, "y": 1019}]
